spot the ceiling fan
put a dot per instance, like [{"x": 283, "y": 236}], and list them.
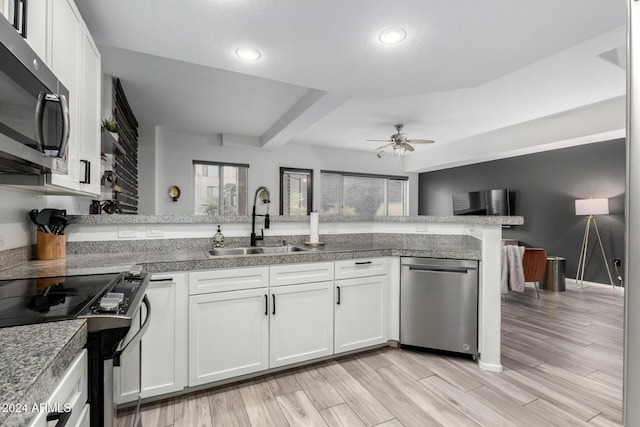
[{"x": 399, "y": 142}]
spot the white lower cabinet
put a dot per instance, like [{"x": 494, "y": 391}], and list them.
[
  {"x": 163, "y": 347},
  {"x": 360, "y": 313},
  {"x": 228, "y": 334},
  {"x": 246, "y": 320},
  {"x": 301, "y": 325}
]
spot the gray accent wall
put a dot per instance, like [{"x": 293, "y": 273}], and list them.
[{"x": 545, "y": 186}]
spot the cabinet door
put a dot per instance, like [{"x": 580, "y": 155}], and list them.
[
  {"x": 126, "y": 377},
  {"x": 66, "y": 37},
  {"x": 89, "y": 117},
  {"x": 164, "y": 345},
  {"x": 360, "y": 313},
  {"x": 228, "y": 334},
  {"x": 301, "y": 322},
  {"x": 37, "y": 24}
]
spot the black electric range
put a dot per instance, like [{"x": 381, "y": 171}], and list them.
[
  {"x": 48, "y": 299},
  {"x": 109, "y": 303}
]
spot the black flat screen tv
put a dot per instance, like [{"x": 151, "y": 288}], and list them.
[{"x": 485, "y": 202}]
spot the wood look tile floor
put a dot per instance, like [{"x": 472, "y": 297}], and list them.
[{"x": 562, "y": 358}]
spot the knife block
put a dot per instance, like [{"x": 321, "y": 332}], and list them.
[{"x": 50, "y": 246}]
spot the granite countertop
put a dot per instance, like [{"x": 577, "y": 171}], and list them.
[
  {"x": 196, "y": 259},
  {"x": 33, "y": 358},
  {"x": 206, "y": 219}
]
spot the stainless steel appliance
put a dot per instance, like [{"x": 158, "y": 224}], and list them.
[
  {"x": 34, "y": 124},
  {"x": 439, "y": 304},
  {"x": 109, "y": 303}
]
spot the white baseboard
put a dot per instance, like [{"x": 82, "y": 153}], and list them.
[
  {"x": 573, "y": 282},
  {"x": 492, "y": 367}
]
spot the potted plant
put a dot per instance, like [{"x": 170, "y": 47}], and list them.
[{"x": 110, "y": 125}]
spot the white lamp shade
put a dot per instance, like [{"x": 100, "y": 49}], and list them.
[{"x": 592, "y": 207}]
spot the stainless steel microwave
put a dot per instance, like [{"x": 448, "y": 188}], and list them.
[{"x": 34, "y": 113}]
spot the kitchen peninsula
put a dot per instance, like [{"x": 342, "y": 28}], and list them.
[{"x": 111, "y": 243}]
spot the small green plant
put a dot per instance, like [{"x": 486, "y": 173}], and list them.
[{"x": 110, "y": 125}]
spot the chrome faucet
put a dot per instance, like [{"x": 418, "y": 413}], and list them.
[{"x": 265, "y": 196}]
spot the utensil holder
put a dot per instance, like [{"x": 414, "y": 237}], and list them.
[{"x": 50, "y": 246}]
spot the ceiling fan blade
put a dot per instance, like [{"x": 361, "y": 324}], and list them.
[
  {"x": 407, "y": 146},
  {"x": 384, "y": 146},
  {"x": 379, "y": 140},
  {"x": 421, "y": 141}
]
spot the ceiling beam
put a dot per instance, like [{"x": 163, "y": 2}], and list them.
[{"x": 312, "y": 107}]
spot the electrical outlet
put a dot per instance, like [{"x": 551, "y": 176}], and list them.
[
  {"x": 127, "y": 233},
  {"x": 616, "y": 262},
  {"x": 155, "y": 232}
]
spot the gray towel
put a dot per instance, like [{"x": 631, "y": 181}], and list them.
[{"x": 512, "y": 272}]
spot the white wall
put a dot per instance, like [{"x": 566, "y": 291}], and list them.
[
  {"x": 175, "y": 151},
  {"x": 15, "y": 228}
]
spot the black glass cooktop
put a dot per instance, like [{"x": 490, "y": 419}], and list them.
[{"x": 27, "y": 301}]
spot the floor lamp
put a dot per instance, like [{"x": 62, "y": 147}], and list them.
[{"x": 591, "y": 207}]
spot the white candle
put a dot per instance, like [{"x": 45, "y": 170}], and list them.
[{"x": 315, "y": 228}]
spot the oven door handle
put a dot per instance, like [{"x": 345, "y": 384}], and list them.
[{"x": 137, "y": 337}]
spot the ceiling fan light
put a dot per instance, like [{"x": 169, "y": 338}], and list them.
[
  {"x": 399, "y": 150},
  {"x": 392, "y": 35}
]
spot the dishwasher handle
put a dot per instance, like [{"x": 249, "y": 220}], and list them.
[{"x": 434, "y": 269}]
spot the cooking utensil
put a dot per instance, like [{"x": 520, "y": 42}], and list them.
[
  {"x": 58, "y": 224},
  {"x": 33, "y": 214},
  {"x": 42, "y": 219}
]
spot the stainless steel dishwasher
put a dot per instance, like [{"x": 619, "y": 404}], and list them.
[{"x": 439, "y": 304}]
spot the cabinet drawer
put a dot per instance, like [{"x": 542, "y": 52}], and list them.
[
  {"x": 352, "y": 268},
  {"x": 294, "y": 274},
  {"x": 202, "y": 282},
  {"x": 71, "y": 393}
]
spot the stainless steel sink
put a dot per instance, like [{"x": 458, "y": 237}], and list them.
[
  {"x": 253, "y": 250},
  {"x": 281, "y": 249}
]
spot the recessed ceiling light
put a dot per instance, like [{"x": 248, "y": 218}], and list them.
[
  {"x": 248, "y": 53},
  {"x": 392, "y": 35}
]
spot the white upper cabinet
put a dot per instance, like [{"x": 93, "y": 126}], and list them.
[
  {"x": 90, "y": 106},
  {"x": 37, "y": 24},
  {"x": 66, "y": 49}
]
